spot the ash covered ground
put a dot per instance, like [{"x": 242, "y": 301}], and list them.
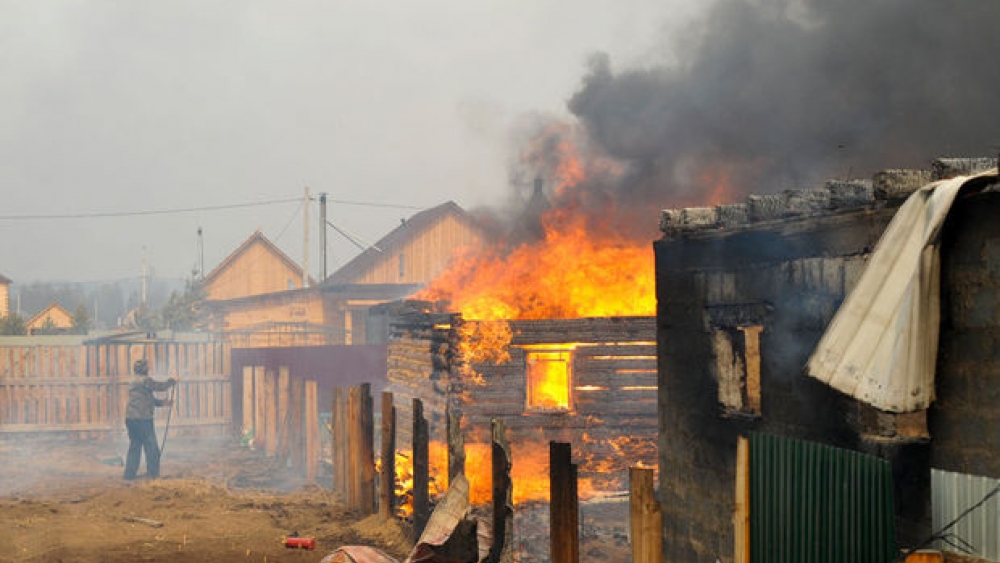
[{"x": 215, "y": 501}]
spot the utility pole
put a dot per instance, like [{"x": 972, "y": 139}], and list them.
[
  {"x": 322, "y": 236},
  {"x": 201, "y": 254},
  {"x": 305, "y": 236},
  {"x": 144, "y": 274}
]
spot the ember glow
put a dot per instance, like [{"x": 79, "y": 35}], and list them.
[{"x": 548, "y": 377}]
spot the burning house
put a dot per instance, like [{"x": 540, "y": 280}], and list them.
[
  {"x": 589, "y": 382},
  {"x": 745, "y": 293},
  {"x": 551, "y": 331}
]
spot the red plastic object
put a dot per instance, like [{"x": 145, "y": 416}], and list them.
[{"x": 300, "y": 543}]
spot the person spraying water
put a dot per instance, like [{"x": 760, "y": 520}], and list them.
[{"x": 142, "y": 403}]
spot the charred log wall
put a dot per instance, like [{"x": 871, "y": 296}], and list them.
[
  {"x": 964, "y": 421},
  {"x": 418, "y": 362},
  {"x": 788, "y": 273},
  {"x": 611, "y": 423},
  {"x": 788, "y": 277}
]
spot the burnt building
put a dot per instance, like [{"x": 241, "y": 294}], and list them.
[
  {"x": 746, "y": 291},
  {"x": 589, "y": 382}
]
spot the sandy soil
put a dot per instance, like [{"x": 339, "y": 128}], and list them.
[{"x": 214, "y": 502}]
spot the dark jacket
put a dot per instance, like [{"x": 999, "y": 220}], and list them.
[{"x": 141, "y": 402}]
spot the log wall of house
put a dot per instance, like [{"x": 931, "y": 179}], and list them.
[{"x": 612, "y": 422}]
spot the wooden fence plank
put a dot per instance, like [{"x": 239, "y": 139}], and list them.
[
  {"x": 311, "y": 430},
  {"x": 270, "y": 413}
]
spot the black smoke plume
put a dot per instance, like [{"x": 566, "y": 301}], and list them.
[{"x": 776, "y": 94}]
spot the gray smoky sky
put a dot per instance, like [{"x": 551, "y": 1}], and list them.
[
  {"x": 115, "y": 107},
  {"x": 121, "y": 106}
]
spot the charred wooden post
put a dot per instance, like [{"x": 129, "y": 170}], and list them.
[
  {"x": 312, "y": 429},
  {"x": 645, "y": 518},
  {"x": 564, "y": 506},
  {"x": 503, "y": 497},
  {"x": 421, "y": 470},
  {"x": 366, "y": 450},
  {"x": 456, "y": 443},
  {"x": 387, "y": 491},
  {"x": 354, "y": 438}
]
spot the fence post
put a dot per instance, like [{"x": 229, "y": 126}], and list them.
[
  {"x": 456, "y": 443},
  {"x": 284, "y": 415},
  {"x": 421, "y": 470},
  {"x": 297, "y": 435},
  {"x": 387, "y": 491},
  {"x": 645, "y": 517},
  {"x": 564, "y": 519},
  {"x": 353, "y": 439},
  {"x": 311, "y": 430},
  {"x": 366, "y": 450},
  {"x": 503, "y": 496},
  {"x": 339, "y": 441},
  {"x": 741, "y": 516},
  {"x": 259, "y": 431},
  {"x": 270, "y": 413}
]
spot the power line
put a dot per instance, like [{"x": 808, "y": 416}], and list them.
[{"x": 169, "y": 211}]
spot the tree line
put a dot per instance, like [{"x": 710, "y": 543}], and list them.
[{"x": 107, "y": 306}]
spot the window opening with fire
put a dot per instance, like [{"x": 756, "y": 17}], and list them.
[
  {"x": 549, "y": 379},
  {"x": 737, "y": 369}
]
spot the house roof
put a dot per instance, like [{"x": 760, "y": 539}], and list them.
[
  {"x": 46, "y": 312},
  {"x": 5, "y": 279},
  {"x": 256, "y": 238},
  {"x": 409, "y": 229}
]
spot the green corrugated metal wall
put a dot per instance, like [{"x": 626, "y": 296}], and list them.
[{"x": 815, "y": 503}]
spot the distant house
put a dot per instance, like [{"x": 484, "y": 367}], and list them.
[
  {"x": 416, "y": 251},
  {"x": 409, "y": 257},
  {"x": 255, "y": 268},
  {"x": 4, "y": 295},
  {"x": 256, "y": 298},
  {"x": 54, "y": 319}
]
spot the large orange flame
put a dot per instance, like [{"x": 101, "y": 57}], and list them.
[{"x": 571, "y": 273}]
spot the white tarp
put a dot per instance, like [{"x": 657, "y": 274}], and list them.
[{"x": 881, "y": 347}]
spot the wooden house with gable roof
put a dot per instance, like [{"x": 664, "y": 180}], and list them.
[
  {"x": 255, "y": 296},
  {"x": 54, "y": 319},
  {"x": 256, "y": 267},
  {"x": 403, "y": 261}
]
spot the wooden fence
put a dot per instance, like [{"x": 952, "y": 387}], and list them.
[
  {"x": 68, "y": 385},
  {"x": 281, "y": 417}
]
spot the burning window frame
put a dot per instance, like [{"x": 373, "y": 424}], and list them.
[{"x": 548, "y": 354}]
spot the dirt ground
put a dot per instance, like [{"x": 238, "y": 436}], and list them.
[{"x": 215, "y": 501}]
